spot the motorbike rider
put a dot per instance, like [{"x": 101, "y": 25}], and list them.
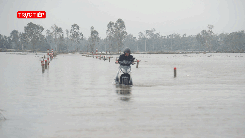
[{"x": 125, "y": 57}]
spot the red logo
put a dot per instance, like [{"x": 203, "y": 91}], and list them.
[{"x": 31, "y": 14}]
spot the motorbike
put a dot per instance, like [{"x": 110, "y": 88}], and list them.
[{"x": 124, "y": 73}]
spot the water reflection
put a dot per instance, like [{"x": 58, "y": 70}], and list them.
[
  {"x": 43, "y": 69},
  {"x": 126, "y": 99},
  {"x": 125, "y": 91}
]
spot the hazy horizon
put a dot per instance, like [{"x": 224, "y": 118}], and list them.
[{"x": 167, "y": 17}]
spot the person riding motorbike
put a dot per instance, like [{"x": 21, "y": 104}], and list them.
[{"x": 125, "y": 59}]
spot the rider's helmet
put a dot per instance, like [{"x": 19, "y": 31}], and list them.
[{"x": 127, "y": 50}]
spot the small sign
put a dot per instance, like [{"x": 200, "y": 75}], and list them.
[{"x": 31, "y": 14}]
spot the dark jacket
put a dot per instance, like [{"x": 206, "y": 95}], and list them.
[{"x": 127, "y": 58}]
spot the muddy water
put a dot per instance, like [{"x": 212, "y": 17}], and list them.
[{"x": 76, "y": 97}]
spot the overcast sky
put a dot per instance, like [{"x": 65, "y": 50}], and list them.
[{"x": 166, "y": 16}]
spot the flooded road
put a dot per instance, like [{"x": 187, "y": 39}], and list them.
[{"x": 76, "y": 97}]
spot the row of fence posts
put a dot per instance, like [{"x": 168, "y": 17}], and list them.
[
  {"x": 109, "y": 58},
  {"x": 46, "y": 60},
  {"x": 137, "y": 64},
  {"x": 103, "y": 57}
]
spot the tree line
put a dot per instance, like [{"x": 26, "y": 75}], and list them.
[{"x": 117, "y": 39}]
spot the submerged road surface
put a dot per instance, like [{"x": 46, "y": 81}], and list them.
[{"x": 76, "y": 97}]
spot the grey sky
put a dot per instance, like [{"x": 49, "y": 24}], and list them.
[{"x": 166, "y": 16}]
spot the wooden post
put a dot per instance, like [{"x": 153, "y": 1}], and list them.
[
  {"x": 50, "y": 56},
  {"x": 137, "y": 64},
  {"x": 175, "y": 74},
  {"x": 48, "y": 60},
  {"x": 109, "y": 59},
  {"x": 46, "y": 64},
  {"x": 43, "y": 67}
]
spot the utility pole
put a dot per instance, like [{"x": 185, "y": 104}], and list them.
[
  {"x": 146, "y": 32},
  {"x": 137, "y": 45},
  {"x": 171, "y": 41},
  {"x": 136, "y": 42},
  {"x": 161, "y": 43},
  {"x": 153, "y": 42}
]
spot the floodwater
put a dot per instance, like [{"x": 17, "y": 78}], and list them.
[{"x": 76, "y": 97}]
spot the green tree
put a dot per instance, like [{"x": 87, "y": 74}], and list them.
[
  {"x": 67, "y": 39},
  {"x": 131, "y": 42},
  {"x": 7, "y": 42},
  {"x": 75, "y": 35},
  {"x": 116, "y": 34},
  {"x": 49, "y": 38},
  {"x": 110, "y": 32},
  {"x": 56, "y": 33},
  {"x": 235, "y": 41},
  {"x": 23, "y": 40},
  {"x": 142, "y": 40},
  {"x": 33, "y": 32},
  {"x": 120, "y": 33},
  {"x": 42, "y": 44},
  {"x": 206, "y": 37},
  {"x": 2, "y": 42},
  {"x": 62, "y": 44},
  {"x": 14, "y": 35},
  {"x": 151, "y": 37},
  {"x": 94, "y": 37}
]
